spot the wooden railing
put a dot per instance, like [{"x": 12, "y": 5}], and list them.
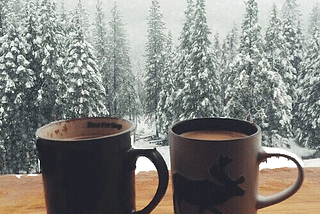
[{"x": 25, "y": 194}]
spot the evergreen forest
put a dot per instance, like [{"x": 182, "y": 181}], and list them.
[{"x": 57, "y": 65}]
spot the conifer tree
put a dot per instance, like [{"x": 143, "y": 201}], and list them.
[
  {"x": 120, "y": 81},
  {"x": 241, "y": 100},
  {"x": 30, "y": 31},
  {"x": 274, "y": 115},
  {"x": 294, "y": 40},
  {"x": 3, "y": 17},
  {"x": 217, "y": 48},
  {"x": 63, "y": 13},
  {"x": 311, "y": 53},
  {"x": 199, "y": 94},
  {"x": 219, "y": 55},
  {"x": 181, "y": 59},
  {"x": 228, "y": 54},
  {"x": 84, "y": 94},
  {"x": 16, "y": 81},
  {"x": 100, "y": 36},
  {"x": 258, "y": 92},
  {"x": 308, "y": 110},
  {"x": 185, "y": 46},
  {"x": 100, "y": 44},
  {"x": 293, "y": 35},
  {"x": 276, "y": 48},
  {"x": 154, "y": 60},
  {"x": 277, "y": 102},
  {"x": 51, "y": 63},
  {"x": 166, "y": 100},
  {"x": 3, "y": 29},
  {"x": 64, "y": 25}
]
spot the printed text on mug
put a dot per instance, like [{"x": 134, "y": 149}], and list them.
[{"x": 105, "y": 125}]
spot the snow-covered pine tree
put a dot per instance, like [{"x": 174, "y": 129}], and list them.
[
  {"x": 16, "y": 7},
  {"x": 311, "y": 49},
  {"x": 216, "y": 47},
  {"x": 188, "y": 27},
  {"x": 84, "y": 94},
  {"x": 83, "y": 20},
  {"x": 29, "y": 26},
  {"x": 30, "y": 31},
  {"x": 100, "y": 36},
  {"x": 228, "y": 54},
  {"x": 182, "y": 58},
  {"x": 120, "y": 81},
  {"x": 293, "y": 35},
  {"x": 295, "y": 42},
  {"x": 275, "y": 113},
  {"x": 64, "y": 26},
  {"x": 3, "y": 17},
  {"x": 166, "y": 103},
  {"x": 276, "y": 49},
  {"x": 308, "y": 111},
  {"x": 100, "y": 44},
  {"x": 218, "y": 51},
  {"x": 141, "y": 93},
  {"x": 314, "y": 21},
  {"x": 16, "y": 81},
  {"x": 258, "y": 92},
  {"x": 51, "y": 64},
  {"x": 274, "y": 107},
  {"x": 63, "y": 15},
  {"x": 199, "y": 94},
  {"x": 241, "y": 101},
  {"x": 276, "y": 102},
  {"x": 154, "y": 60},
  {"x": 3, "y": 29}
]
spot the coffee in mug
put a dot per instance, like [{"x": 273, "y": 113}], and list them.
[
  {"x": 88, "y": 167},
  {"x": 215, "y": 167},
  {"x": 213, "y": 135}
]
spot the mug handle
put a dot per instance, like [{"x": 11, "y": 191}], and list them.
[
  {"x": 155, "y": 157},
  {"x": 263, "y": 201}
]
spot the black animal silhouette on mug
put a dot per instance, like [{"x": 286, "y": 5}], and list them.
[{"x": 204, "y": 193}]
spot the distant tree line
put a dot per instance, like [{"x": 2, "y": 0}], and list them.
[
  {"x": 56, "y": 65},
  {"x": 271, "y": 78}
]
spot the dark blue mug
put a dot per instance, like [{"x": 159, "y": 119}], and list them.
[{"x": 88, "y": 167}]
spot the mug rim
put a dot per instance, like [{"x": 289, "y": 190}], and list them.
[
  {"x": 252, "y": 124},
  {"x": 38, "y": 136}
]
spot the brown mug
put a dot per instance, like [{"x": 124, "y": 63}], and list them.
[
  {"x": 88, "y": 167},
  {"x": 215, "y": 167}
]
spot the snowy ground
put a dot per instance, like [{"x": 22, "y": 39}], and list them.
[{"x": 143, "y": 164}]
